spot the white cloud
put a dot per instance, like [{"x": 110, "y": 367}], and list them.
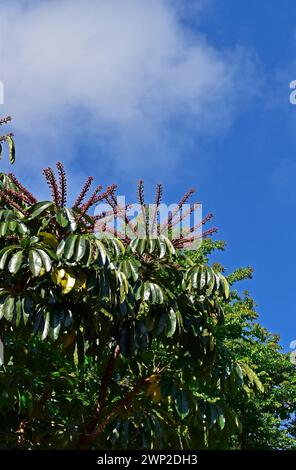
[{"x": 125, "y": 71}]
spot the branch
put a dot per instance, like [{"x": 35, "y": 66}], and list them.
[
  {"x": 85, "y": 438},
  {"x": 120, "y": 406}
]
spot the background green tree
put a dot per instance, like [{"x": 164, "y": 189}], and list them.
[{"x": 268, "y": 418}]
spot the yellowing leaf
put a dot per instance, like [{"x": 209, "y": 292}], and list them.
[
  {"x": 64, "y": 279},
  {"x": 154, "y": 392},
  {"x": 57, "y": 275},
  {"x": 49, "y": 239},
  {"x": 67, "y": 283},
  {"x": 80, "y": 282},
  {"x": 11, "y": 147}
]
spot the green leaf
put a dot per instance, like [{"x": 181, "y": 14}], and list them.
[
  {"x": 70, "y": 246},
  {"x": 201, "y": 278},
  {"x": 123, "y": 285},
  {"x": 55, "y": 326},
  {"x": 159, "y": 292},
  {"x": 46, "y": 261},
  {"x": 170, "y": 246},
  {"x": 129, "y": 268},
  {"x": 162, "y": 247},
  {"x": 221, "y": 421},
  {"x": 102, "y": 251},
  {"x": 15, "y": 262},
  {"x": 12, "y": 225},
  {"x": 3, "y": 228},
  {"x": 1, "y": 308},
  {"x": 153, "y": 293},
  {"x": 224, "y": 286},
  {"x": 40, "y": 207},
  {"x": 60, "y": 248},
  {"x": 125, "y": 268},
  {"x": 80, "y": 247},
  {"x": 35, "y": 262},
  {"x": 171, "y": 323},
  {"x": 61, "y": 218},
  {"x": 22, "y": 228},
  {"x": 18, "y": 311},
  {"x": 151, "y": 245},
  {"x": 28, "y": 308},
  {"x": 46, "y": 317},
  {"x": 252, "y": 376},
  {"x": 145, "y": 291},
  {"x": 141, "y": 245},
  {"x": 134, "y": 270},
  {"x": 71, "y": 219},
  {"x": 133, "y": 244},
  {"x": 117, "y": 245},
  {"x": 4, "y": 255},
  {"x": 239, "y": 375},
  {"x": 181, "y": 403},
  {"x": 8, "y": 308},
  {"x": 52, "y": 255},
  {"x": 33, "y": 240}
]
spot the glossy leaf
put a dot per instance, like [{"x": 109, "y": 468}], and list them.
[
  {"x": 181, "y": 403},
  {"x": 39, "y": 208},
  {"x": 15, "y": 262},
  {"x": 35, "y": 262}
]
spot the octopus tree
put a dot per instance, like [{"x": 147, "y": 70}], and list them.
[{"x": 110, "y": 341}]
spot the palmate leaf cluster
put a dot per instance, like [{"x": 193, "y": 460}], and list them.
[{"x": 109, "y": 343}]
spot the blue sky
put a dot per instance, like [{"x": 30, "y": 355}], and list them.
[{"x": 186, "y": 93}]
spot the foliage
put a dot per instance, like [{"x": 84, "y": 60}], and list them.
[
  {"x": 267, "y": 419},
  {"x": 109, "y": 342}
]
